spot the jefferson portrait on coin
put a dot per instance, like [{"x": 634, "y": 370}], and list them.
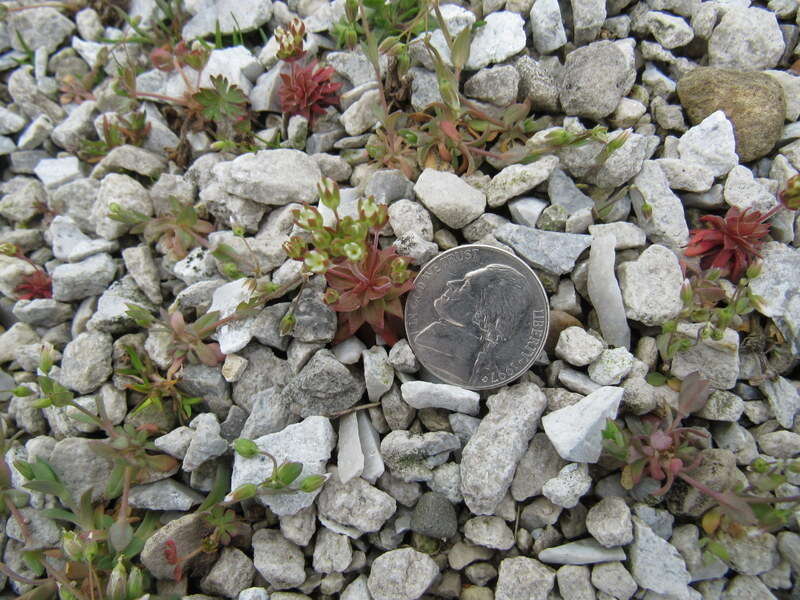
[{"x": 476, "y": 315}]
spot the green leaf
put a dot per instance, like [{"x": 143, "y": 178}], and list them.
[
  {"x": 25, "y": 469},
  {"x": 143, "y": 532},
  {"x": 46, "y": 487},
  {"x": 718, "y": 550},
  {"x": 79, "y": 416},
  {"x": 136, "y": 362},
  {"x": 461, "y": 45},
  {"x": 222, "y": 483},
  {"x": 206, "y": 321},
  {"x": 139, "y": 315},
  {"x": 33, "y": 560},
  {"x": 186, "y": 405},
  {"x": 114, "y": 483},
  {"x": 120, "y": 535},
  {"x": 312, "y": 483},
  {"x": 222, "y": 101},
  {"x": 42, "y": 470},
  {"x": 61, "y": 515},
  {"x": 288, "y": 472},
  {"x": 656, "y": 379}
]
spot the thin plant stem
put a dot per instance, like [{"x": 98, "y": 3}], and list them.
[
  {"x": 11, "y": 574},
  {"x": 18, "y": 517},
  {"x": 341, "y": 413}
]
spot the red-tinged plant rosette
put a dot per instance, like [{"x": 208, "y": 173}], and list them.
[
  {"x": 731, "y": 242},
  {"x": 368, "y": 291}
]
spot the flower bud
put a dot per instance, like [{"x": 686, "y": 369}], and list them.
[
  {"x": 290, "y": 40},
  {"x": 560, "y": 137},
  {"x": 350, "y": 37},
  {"x": 46, "y": 359},
  {"x": 687, "y": 294},
  {"x": 295, "y": 248},
  {"x": 288, "y": 472},
  {"x": 322, "y": 239},
  {"x": 753, "y": 271},
  {"x": 117, "y": 587},
  {"x": 308, "y": 218},
  {"x": 136, "y": 583},
  {"x": 790, "y": 197},
  {"x": 73, "y": 547},
  {"x": 367, "y": 207},
  {"x": 243, "y": 492},
  {"x": 312, "y": 483},
  {"x": 329, "y": 193},
  {"x": 399, "y": 272},
  {"x": 8, "y": 249},
  {"x": 162, "y": 58},
  {"x": 246, "y": 448},
  {"x": 287, "y": 323},
  {"x": 403, "y": 62}
]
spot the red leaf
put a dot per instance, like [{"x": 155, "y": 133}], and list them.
[
  {"x": 307, "y": 91},
  {"x": 730, "y": 243},
  {"x": 35, "y": 285}
]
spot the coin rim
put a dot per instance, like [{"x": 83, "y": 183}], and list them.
[{"x": 539, "y": 350}]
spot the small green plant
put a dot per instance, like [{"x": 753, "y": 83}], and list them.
[
  {"x": 365, "y": 282},
  {"x": 387, "y": 18},
  {"x": 222, "y": 110},
  {"x": 156, "y": 389},
  {"x": 709, "y": 299},
  {"x": 100, "y": 549},
  {"x": 283, "y": 478},
  {"x": 178, "y": 231},
  {"x": 658, "y": 446},
  {"x": 751, "y": 506},
  {"x": 186, "y": 340},
  {"x": 34, "y": 285},
  {"x": 455, "y": 134},
  {"x": 132, "y": 130},
  {"x": 166, "y": 31}
]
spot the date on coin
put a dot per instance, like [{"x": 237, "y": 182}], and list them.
[{"x": 477, "y": 317}]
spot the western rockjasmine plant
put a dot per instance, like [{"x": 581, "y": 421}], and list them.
[{"x": 365, "y": 282}]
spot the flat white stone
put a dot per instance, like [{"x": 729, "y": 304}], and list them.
[
  {"x": 421, "y": 394},
  {"x": 576, "y": 431}
]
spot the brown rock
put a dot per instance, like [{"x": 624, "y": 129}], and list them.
[
  {"x": 559, "y": 321},
  {"x": 754, "y": 102}
]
